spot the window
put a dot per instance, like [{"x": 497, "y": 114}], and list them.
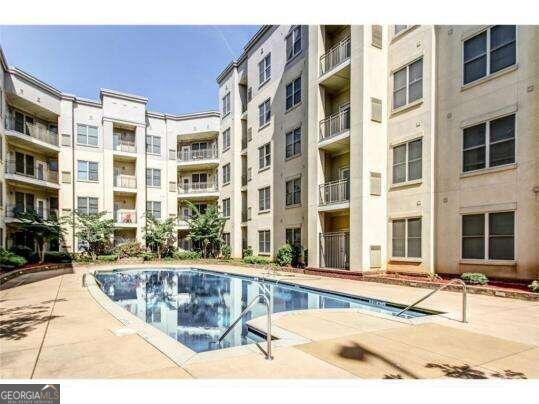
[
  {"x": 87, "y": 205},
  {"x": 293, "y": 192},
  {"x": 489, "y": 51},
  {"x": 376, "y": 36},
  {"x": 408, "y": 84},
  {"x": 293, "y": 236},
  {"x": 264, "y": 69},
  {"x": 293, "y": 43},
  {"x": 264, "y": 113},
  {"x": 87, "y": 135},
  {"x": 226, "y": 139},
  {"x": 153, "y": 208},
  {"x": 264, "y": 156},
  {"x": 406, "y": 238},
  {"x": 226, "y": 207},
  {"x": 226, "y": 173},
  {"x": 489, "y": 144},
  {"x": 87, "y": 170},
  {"x": 24, "y": 202},
  {"x": 293, "y": 93},
  {"x": 153, "y": 144},
  {"x": 226, "y": 104},
  {"x": 264, "y": 199},
  {"x": 226, "y": 239},
  {"x": 500, "y": 229},
  {"x": 153, "y": 177},
  {"x": 407, "y": 161},
  {"x": 293, "y": 143},
  {"x": 264, "y": 241},
  {"x": 400, "y": 28},
  {"x": 24, "y": 164}
]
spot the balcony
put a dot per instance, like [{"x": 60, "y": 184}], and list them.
[
  {"x": 334, "y": 195},
  {"x": 125, "y": 218},
  {"x": 198, "y": 190},
  {"x": 335, "y": 66},
  {"x": 127, "y": 183},
  {"x": 13, "y": 210},
  {"x": 199, "y": 159},
  {"x": 125, "y": 147},
  {"x": 31, "y": 135},
  {"x": 38, "y": 175},
  {"x": 335, "y": 250},
  {"x": 335, "y": 131}
]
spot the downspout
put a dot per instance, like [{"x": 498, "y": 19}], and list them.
[
  {"x": 73, "y": 172},
  {"x": 434, "y": 133}
]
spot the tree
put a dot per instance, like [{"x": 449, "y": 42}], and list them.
[
  {"x": 40, "y": 229},
  {"x": 206, "y": 229},
  {"x": 93, "y": 230},
  {"x": 159, "y": 233}
]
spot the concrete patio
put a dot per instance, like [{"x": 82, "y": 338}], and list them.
[{"x": 53, "y": 328}]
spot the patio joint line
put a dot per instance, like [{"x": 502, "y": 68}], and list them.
[
  {"x": 507, "y": 356},
  {"x": 47, "y": 327}
]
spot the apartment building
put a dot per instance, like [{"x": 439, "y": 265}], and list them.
[
  {"x": 410, "y": 148},
  {"x": 61, "y": 152}
]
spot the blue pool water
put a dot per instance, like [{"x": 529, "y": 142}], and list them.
[{"x": 196, "y": 306}]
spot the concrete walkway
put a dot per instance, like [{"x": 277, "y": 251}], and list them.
[{"x": 52, "y": 328}]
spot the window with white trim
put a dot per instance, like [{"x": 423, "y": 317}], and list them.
[
  {"x": 226, "y": 104},
  {"x": 153, "y": 208},
  {"x": 293, "y": 192},
  {"x": 400, "y": 28},
  {"x": 153, "y": 144},
  {"x": 264, "y": 195},
  {"x": 264, "y": 241},
  {"x": 293, "y": 93},
  {"x": 293, "y": 143},
  {"x": 226, "y": 173},
  {"x": 408, "y": 84},
  {"x": 293, "y": 43},
  {"x": 293, "y": 236},
  {"x": 489, "y": 235},
  {"x": 264, "y": 113},
  {"x": 489, "y": 51},
  {"x": 226, "y": 207},
  {"x": 406, "y": 238},
  {"x": 226, "y": 139},
  {"x": 153, "y": 177},
  {"x": 407, "y": 161},
  {"x": 264, "y": 156},
  {"x": 226, "y": 239},
  {"x": 87, "y": 170},
  {"x": 87, "y": 135},
  {"x": 264, "y": 69},
  {"x": 489, "y": 144},
  {"x": 87, "y": 205}
]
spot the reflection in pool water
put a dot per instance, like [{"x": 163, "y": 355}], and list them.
[{"x": 195, "y": 306}]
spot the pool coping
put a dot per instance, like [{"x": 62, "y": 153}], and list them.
[{"x": 181, "y": 355}]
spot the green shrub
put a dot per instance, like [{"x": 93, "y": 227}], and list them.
[
  {"x": 253, "y": 259},
  {"x": 26, "y": 252},
  {"x": 108, "y": 258},
  {"x": 474, "y": 278},
  {"x": 129, "y": 250},
  {"x": 186, "y": 255},
  {"x": 148, "y": 256},
  {"x": 57, "y": 257},
  {"x": 534, "y": 286},
  {"x": 284, "y": 256},
  {"x": 8, "y": 258},
  {"x": 248, "y": 252},
  {"x": 226, "y": 252},
  {"x": 81, "y": 257}
]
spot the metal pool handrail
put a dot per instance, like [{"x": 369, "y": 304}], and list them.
[
  {"x": 464, "y": 301},
  {"x": 268, "y": 331}
]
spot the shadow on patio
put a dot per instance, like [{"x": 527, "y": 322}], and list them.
[{"x": 17, "y": 322}]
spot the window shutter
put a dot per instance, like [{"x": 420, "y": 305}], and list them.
[
  {"x": 66, "y": 139},
  {"x": 376, "y": 39},
  {"x": 66, "y": 177},
  {"x": 376, "y": 184},
  {"x": 375, "y": 256},
  {"x": 376, "y": 110}
]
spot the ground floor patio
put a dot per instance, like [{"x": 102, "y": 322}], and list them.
[{"x": 53, "y": 328}]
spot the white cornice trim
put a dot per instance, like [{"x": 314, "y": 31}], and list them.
[
  {"x": 123, "y": 96},
  {"x": 35, "y": 81}
]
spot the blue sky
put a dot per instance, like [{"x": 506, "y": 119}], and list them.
[{"x": 174, "y": 66}]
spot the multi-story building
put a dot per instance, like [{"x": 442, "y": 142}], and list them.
[
  {"x": 401, "y": 148},
  {"x": 61, "y": 152}
]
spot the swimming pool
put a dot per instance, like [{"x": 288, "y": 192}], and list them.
[{"x": 196, "y": 306}]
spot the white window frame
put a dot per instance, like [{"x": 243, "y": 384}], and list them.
[
  {"x": 151, "y": 172},
  {"x": 264, "y": 70},
  {"x": 152, "y": 143},
  {"x": 408, "y": 84},
  {"x": 292, "y": 133},
  {"x": 87, "y": 136},
  {"x": 294, "y": 191},
  {"x": 266, "y": 191},
  {"x": 150, "y": 208},
  {"x": 293, "y": 36},
  {"x": 226, "y": 207},
  {"x": 406, "y": 257},
  {"x": 293, "y": 230},
  {"x": 87, "y": 210},
  {"x": 264, "y": 239},
  {"x": 226, "y": 104},
  {"x": 264, "y": 113},
  {"x": 295, "y": 91},
  {"x": 87, "y": 163},
  {"x": 226, "y": 174},
  {"x": 487, "y": 53},
  {"x": 226, "y": 139},
  {"x": 407, "y": 161},
  {"x": 264, "y": 160}
]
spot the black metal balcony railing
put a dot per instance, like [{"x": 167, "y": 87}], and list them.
[
  {"x": 33, "y": 130},
  {"x": 335, "y": 250},
  {"x": 203, "y": 154},
  {"x": 38, "y": 172},
  {"x": 335, "y": 124},
  {"x": 125, "y": 181},
  {"x": 335, "y": 56},
  {"x": 197, "y": 187},
  {"x": 334, "y": 192}
]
